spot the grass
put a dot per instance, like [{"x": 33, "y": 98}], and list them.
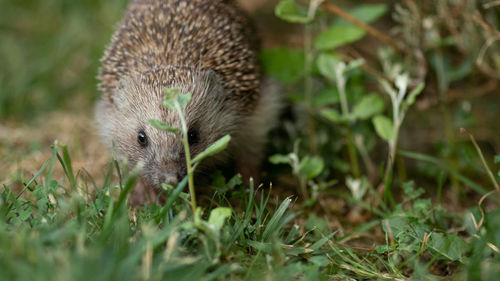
[
  {"x": 73, "y": 229},
  {"x": 359, "y": 196},
  {"x": 50, "y": 51}
]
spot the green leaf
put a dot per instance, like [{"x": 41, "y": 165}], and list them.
[
  {"x": 234, "y": 181},
  {"x": 326, "y": 96},
  {"x": 337, "y": 36},
  {"x": 365, "y": 13},
  {"x": 449, "y": 245},
  {"x": 414, "y": 93},
  {"x": 326, "y": 65},
  {"x": 289, "y": 11},
  {"x": 170, "y": 96},
  {"x": 411, "y": 192},
  {"x": 280, "y": 159},
  {"x": 162, "y": 126},
  {"x": 354, "y": 64},
  {"x": 399, "y": 227},
  {"x": 218, "y": 216},
  {"x": 213, "y": 149},
  {"x": 286, "y": 65},
  {"x": 368, "y": 106},
  {"x": 388, "y": 88},
  {"x": 184, "y": 99},
  {"x": 311, "y": 167},
  {"x": 383, "y": 126},
  {"x": 332, "y": 115}
]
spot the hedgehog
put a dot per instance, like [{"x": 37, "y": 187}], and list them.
[{"x": 207, "y": 48}]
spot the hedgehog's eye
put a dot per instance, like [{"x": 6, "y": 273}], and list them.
[
  {"x": 142, "y": 139},
  {"x": 193, "y": 136}
]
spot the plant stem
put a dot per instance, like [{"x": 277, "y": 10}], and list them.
[
  {"x": 365, "y": 157},
  {"x": 353, "y": 158},
  {"x": 188, "y": 158},
  {"x": 351, "y": 149},
  {"x": 303, "y": 187},
  {"x": 483, "y": 161},
  {"x": 308, "y": 88},
  {"x": 296, "y": 167},
  {"x": 450, "y": 138},
  {"x": 401, "y": 168},
  {"x": 341, "y": 87},
  {"x": 397, "y": 119},
  {"x": 443, "y": 86},
  {"x": 389, "y": 167},
  {"x": 393, "y": 144}
]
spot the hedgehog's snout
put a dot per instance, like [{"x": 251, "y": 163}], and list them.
[
  {"x": 171, "y": 173},
  {"x": 170, "y": 178}
]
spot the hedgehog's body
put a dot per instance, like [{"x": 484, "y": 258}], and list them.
[{"x": 207, "y": 48}]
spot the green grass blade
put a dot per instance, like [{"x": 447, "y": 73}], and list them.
[
  {"x": 277, "y": 220},
  {"x": 171, "y": 199},
  {"x": 38, "y": 173},
  {"x": 437, "y": 162}
]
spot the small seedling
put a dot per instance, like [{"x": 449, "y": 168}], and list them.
[
  {"x": 304, "y": 168},
  {"x": 176, "y": 101},
  {"x": 401, "y": 101}
]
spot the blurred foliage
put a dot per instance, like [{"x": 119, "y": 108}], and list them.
[
  {"x": 49, "y": 51},
  {"x": 430, "y": 53},
  {"x": 435, "y": 48}
]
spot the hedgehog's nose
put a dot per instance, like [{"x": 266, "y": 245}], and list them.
[{"x": 170, "y": 179}]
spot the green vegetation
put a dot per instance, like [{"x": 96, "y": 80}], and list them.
[
  {"x": 378, "y": 195},
  {"x": 50, "y": 53}
]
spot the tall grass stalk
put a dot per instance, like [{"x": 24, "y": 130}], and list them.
[{"x": 190, "y": 171}]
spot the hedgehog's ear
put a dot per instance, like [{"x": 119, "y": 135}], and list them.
[
  {"x": 210, "y": 82},
  {"x": 211, "y": 76},
  {"x": 121, "y": 96}
]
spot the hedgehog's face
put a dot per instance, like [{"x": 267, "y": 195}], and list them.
[{"x": 124, "y": 122}]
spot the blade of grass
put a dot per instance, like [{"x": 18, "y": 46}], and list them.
[
  {"x": 276, "y": 221},
  {"x": 433, "y": 160},
  {"x": 360, "y": 229},
  {"x": 52, "y": 160},
  {"x": 245, "y": 222},
  {"x": 318, "y": 244},
  {"x": 65, "y": 162},
  {"x": 171, "y": 199},
  {"x": 129, "y": 184},
  {"x": 33, "y": 179},
  {"x": 488, "y": 170}
]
